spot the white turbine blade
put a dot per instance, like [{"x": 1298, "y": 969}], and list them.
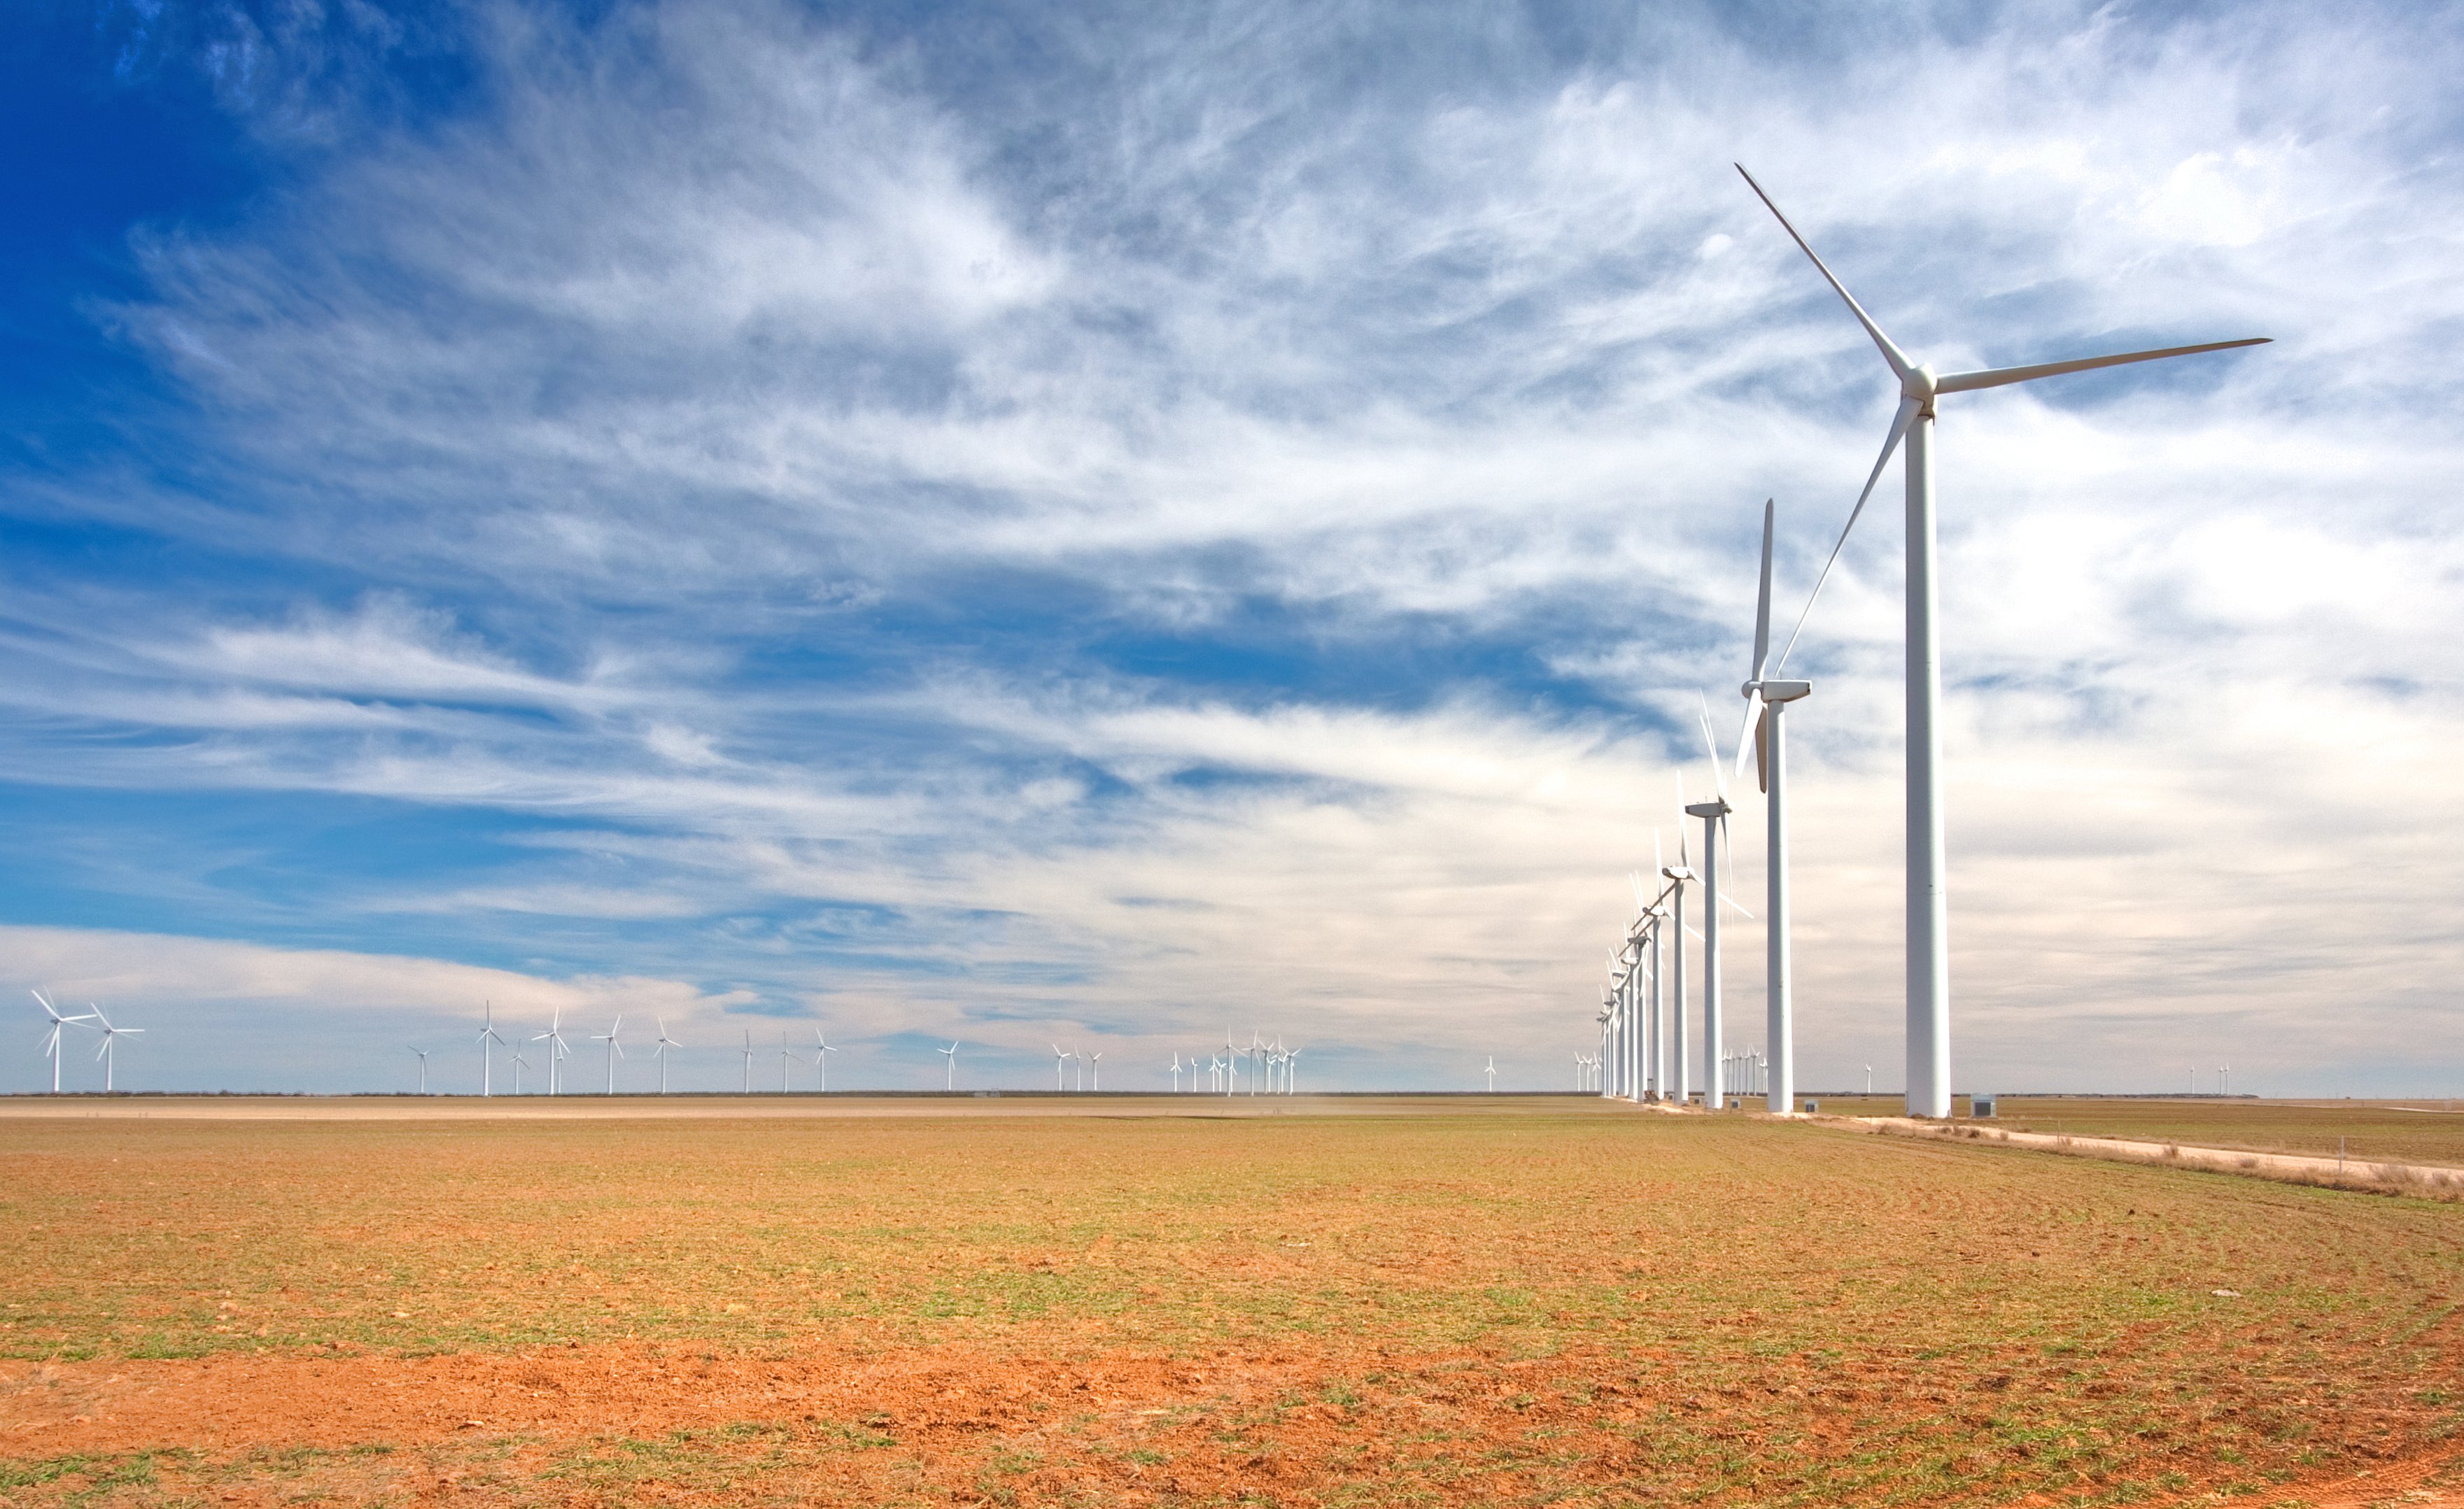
[
  {"x": 1691, "y": 933},
  {"x": 1762, "y": 596},
  {"x": 2003, "y": 377},
  {"x": 1900, "y": 365},
  {"x": 1712, "y": 747},
  {"x": 1900, "y": 423},
  {"x": 1762, "y": 749}
]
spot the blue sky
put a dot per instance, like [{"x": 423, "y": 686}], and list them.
[{"x": 1113, "y": 525}]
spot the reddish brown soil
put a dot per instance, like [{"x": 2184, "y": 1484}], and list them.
[
  {"x": 944, "y": 1424},
  {"x": 1454, "y": 1308}
]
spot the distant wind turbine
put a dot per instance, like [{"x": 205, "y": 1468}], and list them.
[
  {"x": 748, "y": 1060},
  {"x": 1715, "y": 853},
  {"x": 52, "y": 1038},
  {"x": 423, "y": 1069},
  {"x": 660, "y": 1052},
  {"x": 519, "y": 1064},
  {"x": 1060, "y": 1068},
  {"x": 1929, "y": 936},
  {"x": 615, "y": 1051},
  {"x": 111, "y": 1035},
  {"x": 822, "y": 1051},
  {"x": 1176, "y": 1072},
  {"x": 1095, "y": 1064},
  {"x": 1492, "y": 1076},
  {"x": 557, "y": 1051},
  {"x": 950, "y": 1069},
  {"x": 489, "y": 1041},
  {"x": 786, "y": 1057}
]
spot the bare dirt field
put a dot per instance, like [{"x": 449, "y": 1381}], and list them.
[{"x": 1466, "y": 1301}]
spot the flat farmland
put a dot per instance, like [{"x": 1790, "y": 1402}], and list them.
[{"x": 1437, "y": 1301}]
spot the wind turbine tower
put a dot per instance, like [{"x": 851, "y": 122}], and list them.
[
  {"x": 1929, "y": 935},
  {"x": 489, "y": 1040},
  {"x": 1765, "y": 700},
  {"x": 52, "y": 1038},
  {"x": 108, "y": 1053}
]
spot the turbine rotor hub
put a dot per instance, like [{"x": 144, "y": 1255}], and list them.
[{"x": 1919, "y": 383}]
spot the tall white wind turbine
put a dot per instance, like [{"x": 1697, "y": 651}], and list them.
[
  {"x": 1060, "y": 1068},
  {"x": 950, "y": 1073},
  {"x": 489, "y": 1042},
  {"x": 748, "y": 1060},
  {"x": 660, "y": 1052},
  {"x": 1765, "y": 701},
  {"x": 108, "y": 1053},
  {"x": 52, "y": 1038},
  {"x": 519, "y": 1064},
  {"x": 1175, "y": 1071},
  {"x": 1678, "y": 1066},
  {"x": 1491, "y": 1072},
  {"x": 557, "y": 1051},
  {"x": 423, "y": 1069},
  {"x": 1929, "y": 938},
  {"x": 1095, "y": 1066},
  {"x": 822, "y": 1051},
  {"x": 615, "y": 1051},
  {"x": 786, "y": 1057},
  {"x": 1715, "y": 852}
]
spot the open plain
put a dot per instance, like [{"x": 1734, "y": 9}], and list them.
[{"x": 1482, "y": 1300}]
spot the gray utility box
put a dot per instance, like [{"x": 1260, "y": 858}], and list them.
[
  {"x": 1810, "y": 1106},
  {"x": 1980, "y": 1106}
]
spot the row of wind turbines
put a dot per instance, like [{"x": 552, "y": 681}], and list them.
[
  {"x": 1272, "y": 1068},
  {"x": 91, "y": 1020},
  {"x": 1644, "y": 1010}
]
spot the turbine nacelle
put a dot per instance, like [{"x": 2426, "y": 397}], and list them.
[
  {"x": 1716, "y": 807},
  {"x": 1775, "y": 690}
]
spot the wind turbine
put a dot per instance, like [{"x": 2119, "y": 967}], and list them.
[
  {"x": 52, "y": 1038},
  {"x": 487, "y": 1061},
  {"x": 1492, "y": 1071},
  {"x": 1929, "y": 936},
  {"x": 423, "y": 1069},
  {"x": 108, "y": 1053},
  {"x": 1291, "y": 1070},
  {"x": 1676, "y": 875},
  {"x": 1095, "y": 1063},
  {"x": 1765, "y": 700},
  {"x": 786, "y": 1057},
  {"x": 1714, "y": 814},
  {"x": 519, "y": 1064},
  {"x": 615, "y": 1051},
  {"x": 660, "y": 1052},
  {"x": 950, "y": 1074},
  {"x": 1175, "y": 1071},
  {"x": 556, "y": 1052},
  {"x": 748, "y": 1061},
  {"x": 822, "y": 1051}
]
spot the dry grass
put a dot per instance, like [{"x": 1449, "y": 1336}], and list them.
[{"x": 1478, "y": 1303}]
